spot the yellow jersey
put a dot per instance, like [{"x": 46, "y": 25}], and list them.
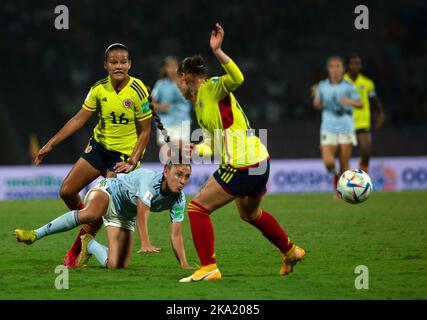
[
  {"x": 366, "y": 88},
  {"x": 220, "y": 114},
  {"x": 117, "y": 112}
]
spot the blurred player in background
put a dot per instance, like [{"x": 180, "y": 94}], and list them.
[
  {"x": 362, "y": 116},
  {"x": 121, "y": 202},
  {"x": 119, "y": 139},
  {"x": 171, "y": 106},
  {"x": 217, "y": 109},
  {"x": 335, "y": 97}
]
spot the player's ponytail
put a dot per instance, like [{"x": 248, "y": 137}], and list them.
[
  {"x": 157, "y": 119},
  {"x": 175, "y": 150},
  {"x": 194, "y": 65}
]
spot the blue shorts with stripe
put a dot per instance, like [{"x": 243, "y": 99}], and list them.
[
  {"x": 239, "y": 182},
  {"x": 100, "y": 158}
]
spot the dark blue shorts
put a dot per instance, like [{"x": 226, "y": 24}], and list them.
[
  {"x": 243, "y": 182},
  {"x": 363, "y": 130},
  {"x": 101, "y": 158}
]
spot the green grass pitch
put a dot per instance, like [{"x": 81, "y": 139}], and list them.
[{"x": 388, "y": 234}]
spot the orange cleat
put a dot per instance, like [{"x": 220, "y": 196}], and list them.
[{"x": 289, "y": 259}]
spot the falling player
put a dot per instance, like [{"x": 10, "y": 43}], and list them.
[
  {"x": 244, "y": 171},
  {"x": 119, "y": 139},
  {"x": 335, "y": 97},
  {"x": 362, "y": 116},
  {"x": 121, "y": 202}
]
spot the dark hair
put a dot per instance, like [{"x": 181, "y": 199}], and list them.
[
  {"x": 354, "y": 56},
  {"x": 171, "y": 163},
  {"x": 115, "y": 46},
  {"x": 157, "y": 119},
  {"x": 194, "y": 65}
]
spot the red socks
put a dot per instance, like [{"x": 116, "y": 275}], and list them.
[
  {"x": 202, "y": 232},
  {"x": 336, "y": 178},
  {"x": 271, "y": 229}
]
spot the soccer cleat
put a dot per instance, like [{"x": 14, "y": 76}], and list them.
[
  {"x": 290, "y": 258},
  {"x": 205, "y": 273},
  {"x": 84, "y": 254},
  {"x": 26, "y": 236},
  {"x": 70, "y": 259}
]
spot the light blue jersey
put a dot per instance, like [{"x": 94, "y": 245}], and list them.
[
  {"x": 336, "y": 117},
  {"x": 144, "y": 184},
  {"x": 166, "y": 91}
]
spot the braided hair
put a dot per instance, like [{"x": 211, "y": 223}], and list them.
[
  {"x": 174, "y": 148},
  {"x": 158, "y": 121}
]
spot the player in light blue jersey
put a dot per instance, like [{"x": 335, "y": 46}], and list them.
[
  {"x": 121, "y": 202},
  {"x": 335, "y": 97},
  {"x": 171, "y": 106}
]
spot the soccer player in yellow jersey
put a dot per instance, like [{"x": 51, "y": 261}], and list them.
[
  {"x": 244, "y": 171},
  {"x": 119, "y": 139},
  {"x": 362, "y": 116}
]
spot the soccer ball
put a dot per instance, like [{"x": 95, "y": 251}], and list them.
[{"x": 354, "y": 186}]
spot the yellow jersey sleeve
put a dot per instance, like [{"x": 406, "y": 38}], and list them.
[
  {"x": 221, "y": 86},
  {"x": 234, "y": 77},
  {"x": 143, "y": 111},
  {"x": 142, "y": 107},
  {"x": 91, "y": 101},
  {"x": 371, "y": 89}
]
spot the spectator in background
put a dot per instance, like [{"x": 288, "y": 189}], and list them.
[{"x": 171, "y": 106}]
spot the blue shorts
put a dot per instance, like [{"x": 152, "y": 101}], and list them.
[
  {"x": 100, "y": 158},
  {"x": 242, "y": 182}
]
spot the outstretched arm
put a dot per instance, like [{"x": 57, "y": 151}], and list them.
[
  {"x": 234, "y": 77},
  {"x": 73, "y": 125},
  {"x": 143, "y": 212},
  {"x": 217, "y": 36},
  {"x": 178, "y": 245}
]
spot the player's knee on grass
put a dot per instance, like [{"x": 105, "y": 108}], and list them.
[{"x": 116, "y": 264}]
